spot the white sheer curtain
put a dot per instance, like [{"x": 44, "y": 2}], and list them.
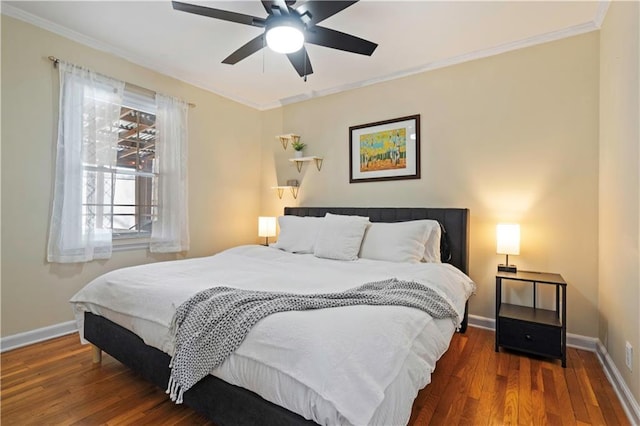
[
  {"x": 89, "y": 110},
  {"x": 170, "y": 230}
]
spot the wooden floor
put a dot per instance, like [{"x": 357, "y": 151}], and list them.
[{"x": 55, "y": 382}]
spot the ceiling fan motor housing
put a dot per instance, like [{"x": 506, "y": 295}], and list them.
[{"x": 284, "y": 33}]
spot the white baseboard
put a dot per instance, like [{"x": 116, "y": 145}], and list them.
[
  {"x": 482, "y": 322},
  {"x": 38, "y": 335},
  {"x": 628, "y": 401}
]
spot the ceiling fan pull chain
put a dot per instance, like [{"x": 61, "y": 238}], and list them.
[{"x": 306, "y": 56}]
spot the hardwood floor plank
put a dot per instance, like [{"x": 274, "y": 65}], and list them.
[
  {"x": 598, "y": 382},
  {"x": 465, "y": 373},
  {"x": 483, "y": 413},
  {"x": 469, "y": 413},
  {"x": 539, "y": 413},
  {"x": 577, "y": 402},
  {"x": 470, "y": 353},
  {"x": 536, "y": 375},
  {"x": 550, "y": 394},
  {"x": 446, "y": 404},
  {"x": 55, "y": 382},
  {"x": 524, "y": 392},
  {"x": 480, "y": 367},
  {"x": 562, "y": 392},
  {"x": 496, "y": 416},
  {"x": 511, "y": 394},
  {"x": 600, "y": 386},
  {"x": 586, "y": 389}
]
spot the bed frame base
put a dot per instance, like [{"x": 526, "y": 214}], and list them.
[{"x": 217, "y": 400}]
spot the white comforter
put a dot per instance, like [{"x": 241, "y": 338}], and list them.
[{"x": 358, "y": 365}]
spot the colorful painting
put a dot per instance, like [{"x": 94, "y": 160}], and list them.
[{"x": 385, "y": 150}]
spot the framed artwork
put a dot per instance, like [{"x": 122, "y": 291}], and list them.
[{"x": 385, "y": 150}]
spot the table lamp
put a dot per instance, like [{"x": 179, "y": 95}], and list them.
[
  {"x": 508, "y": 242},
  {"x": 266, "y": 228}
]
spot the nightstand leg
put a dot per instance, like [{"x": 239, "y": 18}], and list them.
[
  {"x": 564, "y": 326},
  {"x": 498, "y": 301}
]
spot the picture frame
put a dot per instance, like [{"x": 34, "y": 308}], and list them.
[{"x": 385, "y": 150}]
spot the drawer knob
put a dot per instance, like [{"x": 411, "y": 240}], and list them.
[{"x": 528, "y": 337}]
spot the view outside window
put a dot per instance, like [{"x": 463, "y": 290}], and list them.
[
  {"x": 125, "y": 196},
  {"x": 134, "y": 200}
]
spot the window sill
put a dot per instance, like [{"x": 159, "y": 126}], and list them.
[{"x": 129, "y": 244}]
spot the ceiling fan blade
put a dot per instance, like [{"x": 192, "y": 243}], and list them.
[
  {"x": 300, "y": 61},
  {"x": 339, "y": 40},
  {"x": 247, "y": 50},
  {"x": 224, "y": 15},
  {"x": 281, "y": 5},
  {"x": 322, "y": 9},
  {"x": 267, "y": 5}
]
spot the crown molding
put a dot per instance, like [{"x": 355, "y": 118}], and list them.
[
  {"x": 471, "y": 56},
  {"x": 601, "y": 13},
  {"x": 80, "y": 38},
  {"x": 586, "y": 27}
]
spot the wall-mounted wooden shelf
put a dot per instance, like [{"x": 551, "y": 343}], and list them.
[{"x": 301, "y": 160}]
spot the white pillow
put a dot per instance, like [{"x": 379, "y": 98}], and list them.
[
  {"x": 298, "y": 234},
  {"x": 340, "y": 237},
  {"x": 396, "y": 242},
  {"x": 432, "y": 244}
]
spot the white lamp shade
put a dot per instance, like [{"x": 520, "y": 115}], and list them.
[
  {"x": 508, "y": 238},
  {"x": 285, "y": 39},
  {"x": 266, "y": 226}
]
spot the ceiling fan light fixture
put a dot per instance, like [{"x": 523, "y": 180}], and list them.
[{"x": 284, "y": 36}]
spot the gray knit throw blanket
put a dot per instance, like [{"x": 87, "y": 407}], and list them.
[{"x": 213, "y": 323}]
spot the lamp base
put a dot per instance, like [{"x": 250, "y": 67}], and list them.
[{"x": 507, "y": 268}]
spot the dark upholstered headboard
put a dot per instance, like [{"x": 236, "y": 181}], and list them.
[{"x": 455, "y": 246}]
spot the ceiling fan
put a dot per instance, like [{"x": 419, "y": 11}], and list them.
[{"x": 287, "y": 29}]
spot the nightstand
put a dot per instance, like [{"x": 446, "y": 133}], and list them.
[{"x": 528, "y": 328}]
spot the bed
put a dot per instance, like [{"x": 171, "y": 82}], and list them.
[{"x": 228, "y": 397}]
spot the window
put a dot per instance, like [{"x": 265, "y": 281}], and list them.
[{"x": 120, "y": 168}]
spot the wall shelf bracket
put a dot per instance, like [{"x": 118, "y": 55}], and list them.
[
  {"x": 301, "y": 160},
  {"x": 280, "y": 190},
  {"x": 284, "y": 139}
]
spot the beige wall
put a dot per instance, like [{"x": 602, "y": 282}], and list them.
[
  {"x": 511, "y": 137},
  {"x": 224, "y": 168},
  {"x": 619, "y": 229},
  {"x": 274, "y": 159}
]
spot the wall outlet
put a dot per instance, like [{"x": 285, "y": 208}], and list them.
[{"x": 628, "y": 355}]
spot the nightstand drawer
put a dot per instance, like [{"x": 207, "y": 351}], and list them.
[{"x": 530, "y": 337}]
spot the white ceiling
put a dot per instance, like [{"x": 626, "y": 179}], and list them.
[{"x": 413, "y": 36}]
